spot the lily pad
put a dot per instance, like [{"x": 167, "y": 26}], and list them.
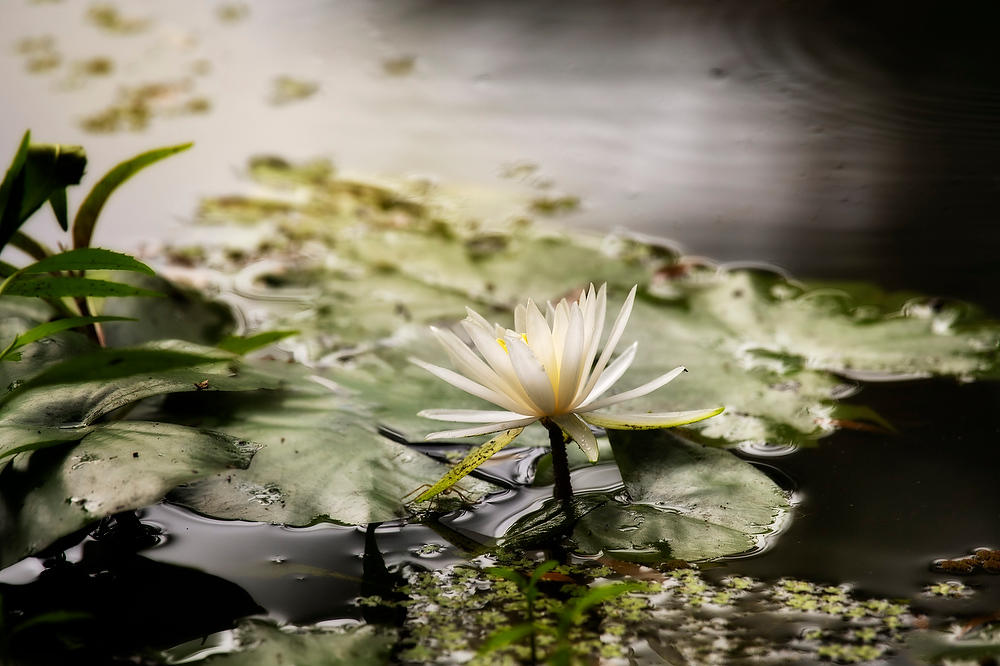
[
  {"x": 685, "y": 501},
  {"x": 322, "y": 459},
  {"x": 779, "y": 355},
  {"x": 117, "y": 467},
  {"x": 260, "y": 642}
]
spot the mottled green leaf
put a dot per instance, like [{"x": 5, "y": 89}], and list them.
[
  {"x": 258, "y": 642},
  {"x": 322, "y": 459},
  {"x": 116, "y": 467}
]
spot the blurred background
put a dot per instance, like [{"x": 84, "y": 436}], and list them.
[{"x": 836, "y": 139}]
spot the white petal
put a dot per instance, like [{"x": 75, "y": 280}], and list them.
[
  {"x": 612, "y": 374},
  {"x": 482, "y": 430},
  {"x": 471, "y": 415},
  {"x": 499, "y": 360},
  {"x": 520, "y": 316},
  {"x": 533, "y": 378},
  {"x": 648, "y": 421},
  {"x": 637, "y": 392},
  {"x": 478, "y": 319},
  {"x": 580, "y": 433},
  {"x": 467, "y": 385},
  {"x": 613, "y": 338},
  {"x": 466, "y": 360},
  {"x": 595, "y": 328},
  {"x": 540, "y": 341},
  {"x": 571, "y": 365}
]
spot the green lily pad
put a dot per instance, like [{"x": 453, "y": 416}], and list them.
[
  {"x": 978, "y": 646},
  {"x": 77, "y": 391},
  {"x": 779, "y": 355},
  {"x": 260, "y": 642},
  {"x": 685, "y": 501},
  {"x": 688, "y": 501},
  {"x": 322, "y": 459},
  {"x": 700, "y": 482},
  {"x": 117, "y": 467}
]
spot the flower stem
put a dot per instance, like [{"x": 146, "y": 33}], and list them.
[{"x": 563, "y": 490}]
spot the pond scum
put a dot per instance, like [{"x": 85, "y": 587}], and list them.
[{"x": 676, "y": 617}]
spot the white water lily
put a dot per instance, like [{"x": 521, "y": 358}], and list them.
[{"x": 546, "y": 369}]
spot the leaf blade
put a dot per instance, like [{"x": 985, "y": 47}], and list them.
[
  {"x": 90, "y": 209},
  {"x": 86, "y": 259},
  {"x": 61, "y": 286}
]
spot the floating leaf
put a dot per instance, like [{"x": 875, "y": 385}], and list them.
[
  {"x": 780, "y": 356},
  {"x": 259, "y": 642},
  {"x": 179, "y": 314},
  {"x": 117, "y": 467},
  {"x": 322, "y": 458},
  {"x": 688, "y": 501}
]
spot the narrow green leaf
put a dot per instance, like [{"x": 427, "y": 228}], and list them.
[
  {"x": 86, "y": 216},
  {"x": 88, "y": 259},
  {"x": 541, "y": 570},
  {"x": 474, "y": 459},
  {"x": 48, "y": 169},
  {"x": 109, "y": 364},
  {"x": 14, "y": 170},
  {"x": 509, "y": 574},
  {"x": 595, "y": 596},
  {"x": 242, "y": 345},
  {"x": 30, "y": 246},
  {"x": 60, "y": 208},
  {"x": 49, "y": 328},
  {"x": 57, "y": 287},
  {"x": 505, "y": 637},
  {"x": 12, "y": 193}
]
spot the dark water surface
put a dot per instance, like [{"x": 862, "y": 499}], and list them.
[{"x": 839, "y": 140}]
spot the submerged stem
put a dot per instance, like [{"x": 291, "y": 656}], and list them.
[{"x": 563, "y": 490}]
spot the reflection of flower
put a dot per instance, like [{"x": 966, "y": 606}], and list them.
[{"x": 545, "y": 370}]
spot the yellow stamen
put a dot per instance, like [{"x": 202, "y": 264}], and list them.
[{"x": 503, "y": 343}]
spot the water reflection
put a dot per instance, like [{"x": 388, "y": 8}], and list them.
[{"x": 831, "y": 138}]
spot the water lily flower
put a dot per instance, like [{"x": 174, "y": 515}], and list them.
[{"x": 546, "y": 369}]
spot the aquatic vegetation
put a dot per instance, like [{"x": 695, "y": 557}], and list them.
[
  {"x": 136, "y": 106},
  {"x": 474, "y": 614},
  {"x": 287, "y": 89},
  {"x": 546, "y": 369}
]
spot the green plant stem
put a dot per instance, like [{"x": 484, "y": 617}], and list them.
[{"x": 563, "y": 489}]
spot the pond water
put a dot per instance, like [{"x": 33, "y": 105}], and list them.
[{"x": 835, "y": 140}]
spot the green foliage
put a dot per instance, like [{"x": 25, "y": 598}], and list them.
[
  {"x": 86, "y": 215},
  {"x": 10, "y": 353},
  {"x": 38, "y": 173},
  {"x": 244, "y": 345},
  {"x": 778, "y": 354},
  {"x": 258, "y": 642},
  {"x": 42, "y": 172}
]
